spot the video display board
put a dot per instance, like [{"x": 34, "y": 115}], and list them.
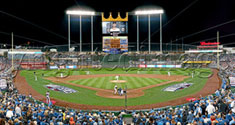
[
  {"x": 115, "y": 45},
  {"x": 119, "y": 27}
]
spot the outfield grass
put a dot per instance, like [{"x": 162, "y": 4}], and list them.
[
  {"x": 164, "y": 71},
  {"x": 131, "y": 82},
  {"x": 86, "y": 96}
]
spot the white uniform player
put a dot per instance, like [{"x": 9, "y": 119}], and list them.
[
  {"x": 48, "y": 97},
  {"x": 121, "y": 93},
  {"x": 169, "y": 73},
  {"x": 61, "y": 75},
  {"x": 115, "y": 89},
  {"x": 117, "y": 77},
  {"x": 35, "y": 77}
]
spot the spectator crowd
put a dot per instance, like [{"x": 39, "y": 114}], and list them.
[{"x": 216, "y": 109}]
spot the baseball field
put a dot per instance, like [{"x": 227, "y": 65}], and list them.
[{"x": 94, "y": 87}]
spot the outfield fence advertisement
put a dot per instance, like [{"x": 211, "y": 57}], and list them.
[
  {"x": 71, "y": 67},
  {"x": 53, "y": 67},
  {"x": 64, "y": 67},
  {"x": 33, "y": 65},
  {"x": 159, "y": 66}
]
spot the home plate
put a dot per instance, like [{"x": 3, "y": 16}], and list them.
[{"x": 118, "y": 81}]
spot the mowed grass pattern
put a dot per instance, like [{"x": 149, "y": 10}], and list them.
[
  {"x": 131, "y": 82},
  {"x": 89, "y": 97}
]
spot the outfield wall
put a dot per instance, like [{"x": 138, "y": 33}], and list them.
[{"x": 73, "y": 60}]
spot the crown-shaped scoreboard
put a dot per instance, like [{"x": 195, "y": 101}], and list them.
[{"x": 110, "y": 18}]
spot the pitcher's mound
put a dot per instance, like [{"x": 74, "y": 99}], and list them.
[{"x": 118, "y": 81}]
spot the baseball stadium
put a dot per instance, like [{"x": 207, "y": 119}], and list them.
[{"x": 117, "y": 66}]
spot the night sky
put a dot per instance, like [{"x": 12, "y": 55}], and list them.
[{"x": 49, "y": 21}]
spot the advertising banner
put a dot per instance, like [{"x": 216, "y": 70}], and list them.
[
  {"x": 53, "y": 67},
  {"x": 159, "y": 66},
  {"x": 3, "y": 84},
  {"x": 232, "y": 81},
  {"x": 142, "y": 66},
  {"x": 150, "y": 66},
  {"x": 197, "y": 62},
  {"x": 62, "y": 67},
  {"x": 71, "y": 67},
  {"x": 33, "y": 65}
]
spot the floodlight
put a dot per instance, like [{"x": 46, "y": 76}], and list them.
[
  {"x": 79, "y": 12},
  {"x": 148, "y": 12}
]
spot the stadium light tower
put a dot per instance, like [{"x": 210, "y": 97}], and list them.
[
  {"x": 80, "y": 13},
  {"x": 149, "y": 12}
]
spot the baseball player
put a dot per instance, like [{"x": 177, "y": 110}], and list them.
[
  {"x": 115, "y": 89},
  {"x": 169, "y": 73},
  {"x": 35, "y": 77},
  {"x": 48, "y": 97},
  {"x": 117, "y": 77}
]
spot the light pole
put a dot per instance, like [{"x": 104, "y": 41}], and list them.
[
  {"x": 80, "y": 33},
  {"x": 218, "y": 64},
  {"x": 80, "y": 13},
  {"x": 138, "y": 44},
  {"x": 68, "y": 32},
  {"x": 92, "y": 34},
  {"x": 12, "y": 43},
  {"x": 149, "y": 33},
  {"x": 160, "y": 32},
  {"x": 151, "y": 12},
  {"x": 126, "y": 97}
]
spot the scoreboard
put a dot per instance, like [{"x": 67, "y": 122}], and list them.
[
  {"x": 111, "y": 29},
  {"x": 115, "y": 45}
]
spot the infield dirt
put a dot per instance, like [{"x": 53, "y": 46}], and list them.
[{"x": 213, "y": 83}]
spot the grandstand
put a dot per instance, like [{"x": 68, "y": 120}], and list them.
[
  {"x": 196, "y": 111},
  {"x": 122, "y": 79}
]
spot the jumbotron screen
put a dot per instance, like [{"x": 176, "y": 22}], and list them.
[
  {"x": 115, "y": 27},
  {"x": 115, "y": 45}
]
